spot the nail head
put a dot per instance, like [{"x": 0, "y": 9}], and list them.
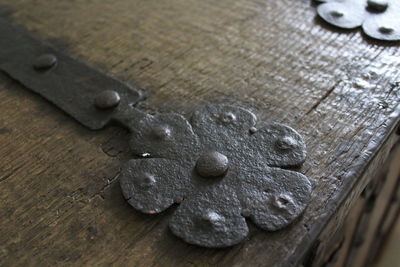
[
  {"x": 146, "y": 180},
  {"x": 385, "y": 30},
  {"x": 377, "y": 5},
  {"x": 336, "y": 14},
  {"x": 212, "y": 164},
  {"x": 227, "y": 117},
  {"x": 161, "y": 132},
  {"x": 45, "y": 61},
  {"x": 107, "y": 99},
  {"x": 253, "y": 130},
  {"x": 286, "y": 143}
]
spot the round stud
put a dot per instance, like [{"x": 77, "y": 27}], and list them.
[
  {"x": 377, "y": 5},
  {"x": 212, "y": 164},
  {"x": 146, "y": 180},
  {"x": 161, "y": 132},
  {"x": 45, "y": 62},
  {"x": 336, "y": 14},
  {"x": 286, "y": 143},
  {"x": 253, "y": 130},
  {"x": 107, "y": 99},
  {"x": 212, "y": 218},
  {"x": 282, "y": 201},
  {"x": 385, "y": 30},
  {"x": 227, "y": 117}
]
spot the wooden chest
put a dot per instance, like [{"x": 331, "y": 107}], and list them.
[{"x": 61, "y": 203}]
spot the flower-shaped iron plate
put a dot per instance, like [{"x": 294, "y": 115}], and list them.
[
  {"x": 380, "y": 19},
  {"x": 218, "y": 166},
  {"x": 220, "y": 169}
]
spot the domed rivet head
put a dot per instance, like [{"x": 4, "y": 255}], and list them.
[
  {"x": 227, "y": 117},
  {"x": 336, "y": 14},
  {"x": 146, "y": 180},
  {"x": 282, "y": 201},
  {"x": 385, "y": 30},
  {"x": 377, "y": 5},
  {"x": 286, "y": 143},
  {"x": 212, "y": 218},
  {"x": 161, "y": 132},
  {"x": 212, "y": 164},
  {"x": 107, "y": 99},
  {"x": 45, "y": 62},
  {"x": 252, "y": 130}
]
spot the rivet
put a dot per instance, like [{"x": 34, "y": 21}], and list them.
[
  {"x": 377, "y": 5},
  {"x": 161, "y": 132},
  {"x": 336, "y": 14},
  {"x": 146, "y": 180},
  {"x": 385, "y": 30},
  {"x": 45, "y": 61},
  {"x": 212, "y": 218},
  {"x": 227, "y": 117},
  {"x": 286, "y": 143},
  {"x": 212, "y": 164},
  {"x": 253, "y": 130},
  {"x": 107, "y": 99},
  {"x": 282, "y": 201}
]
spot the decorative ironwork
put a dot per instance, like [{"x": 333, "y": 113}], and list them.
[
  {"x": 64, "y": 81},
  {"x": 378, "y": 18},
  {"x": 221, "y": 166},
  {"x": 220, "y": 170}
]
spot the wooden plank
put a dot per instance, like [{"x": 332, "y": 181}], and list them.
[
  {"x": 383, "y": 201},
  {"x": 60, "y": 198},
  {"x": 343, "y": 207}
]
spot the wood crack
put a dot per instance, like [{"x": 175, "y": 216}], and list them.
[{"x": 325, "y": 96}]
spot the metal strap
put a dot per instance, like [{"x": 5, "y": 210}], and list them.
[
  {"x": 221, "y": 164},
  {"x": 71, "y": 85}
]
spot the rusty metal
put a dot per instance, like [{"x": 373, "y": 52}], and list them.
[
  {"x": 107, "y": 99},
  {"x": 221, "y": 169},
  {"x": 378, "y": 18},
  {"x": 212, "y": 164},
  {"x": 221, "y": 166},
  {"x": 66, "y": 82},
  {"x": 45, "y": 62}
]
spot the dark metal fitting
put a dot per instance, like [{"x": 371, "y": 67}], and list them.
[
  {"x": 45, "y": 62},
  {"x": 107, "y": 99}
]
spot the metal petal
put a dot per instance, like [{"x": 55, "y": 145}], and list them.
[
  {"x": 164, "y": 136},
  {"x": 222, "y": 127},
  {"x": 386, "y": 25},
  {"x": 210, "y": 218},
  {"x": 153, "y": 185},
  {"x": 273, "y": 198},
  {"x": 277, "y": 145},
  {"x": 348, "y": 14}
]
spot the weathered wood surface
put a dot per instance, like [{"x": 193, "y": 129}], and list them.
[
  {"x": 355, "y": 241},
  {"x": 382, "y": 202},
  {"x": 60, "y": 199}
]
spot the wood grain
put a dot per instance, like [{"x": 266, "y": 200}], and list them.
[{"x": 60, "y": 200}]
